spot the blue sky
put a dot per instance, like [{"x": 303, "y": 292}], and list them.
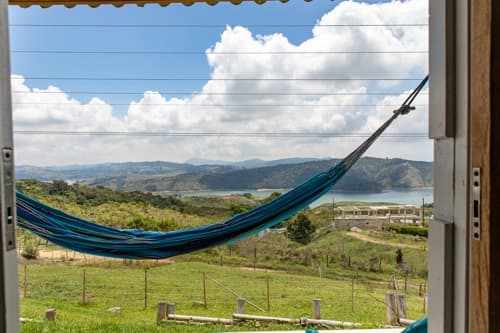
[
  {"x": 142, "y": 39},
  {"x": 150, "y": 106}
]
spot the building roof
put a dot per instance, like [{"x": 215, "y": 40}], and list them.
[{"x": 119, "y": 3}]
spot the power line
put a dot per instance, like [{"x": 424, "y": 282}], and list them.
[
  {"x": 176, "y": 26},
  {"x": 66, "y": 78},
  {"x": 219, "y": 134},
  {"x": 176, "y": 52},
  {"x": 233, "y": 105},
  {"x": 212, "y": 93}
]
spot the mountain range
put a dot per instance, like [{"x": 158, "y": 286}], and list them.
[{"x": 368, "y": 175}]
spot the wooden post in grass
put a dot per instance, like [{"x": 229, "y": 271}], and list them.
[
  {"x": 161, "y": 312},
  {"x": 170, "y": 309},
  {"x": 25, "y": 283},
  {"x": 316, "y": 308},
  {"x": 352, "y": 295},
  {"x": 254, "y": 257},
  {"x": 145, "y": 288},
  {"x": 205, "y": 290},
  {"x": 390, "y": 309},
  {"x": 84, "y": 282},
  {"x": 240, "y": 305},
  {"x": 402, "y": 306},
  {"x": 268, "y": 294},
  {"x": 50, "y": 314}
]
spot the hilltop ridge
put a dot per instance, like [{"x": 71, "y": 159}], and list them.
[{"x": 368, "y": 175}]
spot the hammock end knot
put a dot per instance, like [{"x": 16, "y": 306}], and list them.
[{"x": 405, "y": 109}]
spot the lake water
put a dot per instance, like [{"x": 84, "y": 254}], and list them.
[{"x": 409, "y": 197}]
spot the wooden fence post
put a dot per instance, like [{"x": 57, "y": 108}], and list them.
[
  {"x": 352, "y": 295},
  {"x": 84, "y": 288},
  {"x": 316, "y": 308},
  {"x": 50, "y": 314},
  {"x": 145, "y": 288},
  {"x": 205, "y": 290},
  {"x": 268, "y": 289},
  {"x": 254, "y": 257},
  {"x": 402, "y": 306},
  {"x": 25, "y": 284},
  {"x": 160, "y": 312},
  {"x": 425, "y": 303},
  {"x": 170, "y": 309},
  {"x": 390, "y": 308},
  {"x": 240, "y": 305}
]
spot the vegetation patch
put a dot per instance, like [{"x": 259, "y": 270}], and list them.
[{"x": 407, "y": 229}]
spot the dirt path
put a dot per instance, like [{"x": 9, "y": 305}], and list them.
[
  {"x": 369, "y": 239},
  {"x": 257, "y": 269},
  {"x": 62, "y": 255}
]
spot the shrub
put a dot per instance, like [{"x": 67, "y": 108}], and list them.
[
  {"x": 407, "y": 229},
  {"x": 30, "y": 250},
  {"x": 300, "y": 229}
]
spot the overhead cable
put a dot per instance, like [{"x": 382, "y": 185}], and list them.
[
  {"x": 184, "y": 78},
  {"x": 351, "y": 93},
  {"x": 217, "y": 134},
  {"x": 180, "y": 52},
  {"x": 175, "y": 26}
]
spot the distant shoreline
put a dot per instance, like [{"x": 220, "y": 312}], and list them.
[{"x": 282, "y": 190}]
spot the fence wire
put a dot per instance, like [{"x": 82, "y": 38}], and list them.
[{"x": 208, "y": 290}]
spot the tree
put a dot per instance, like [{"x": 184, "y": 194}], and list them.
[
  {"x": 300, "y": 229},
  {"x": 59, "y": 187}
]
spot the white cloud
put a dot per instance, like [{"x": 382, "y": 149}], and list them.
[{"x": 53, "y": 109}]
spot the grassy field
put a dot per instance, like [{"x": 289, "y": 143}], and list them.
[
  {"x": 349, "y": 271},
  {"x": 115, "y": 283}
]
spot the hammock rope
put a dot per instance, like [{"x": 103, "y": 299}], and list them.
[{"x": 84, "y": 236}]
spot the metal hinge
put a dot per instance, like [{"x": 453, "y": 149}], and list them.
[
  {"x": 476, "y": 203},
  {"x": 8, "y": 198}
]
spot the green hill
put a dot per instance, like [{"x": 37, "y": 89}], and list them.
[{"x": 368, "y": 175}]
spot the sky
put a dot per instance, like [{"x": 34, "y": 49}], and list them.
[{"x": 224, "y": 82}]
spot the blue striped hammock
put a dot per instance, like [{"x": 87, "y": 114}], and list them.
[{"x": 84, "y": 236}]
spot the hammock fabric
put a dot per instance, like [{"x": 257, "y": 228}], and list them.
[
  {"x": 417, "y": 327},
  {"x": 80, "y": 235}
]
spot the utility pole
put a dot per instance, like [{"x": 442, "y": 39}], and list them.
[
  {"x": 333, "y": 212},
  {"x": 9, "y": 298},
  {"x": 423, "y": 210}
]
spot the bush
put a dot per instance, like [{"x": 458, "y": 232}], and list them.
[
  {"x": 407, "y": 229},
  {"x": 30, "y": 250},
  {"x": 300, "y": 229}
]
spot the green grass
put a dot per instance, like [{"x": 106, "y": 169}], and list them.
[
  {"x": 116, "y": 284},
  {"x": 293, "y": 271},
  {"x": 397, "y": 238}
]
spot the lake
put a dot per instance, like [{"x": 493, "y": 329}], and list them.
[{"x": 409, "y": 197}]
